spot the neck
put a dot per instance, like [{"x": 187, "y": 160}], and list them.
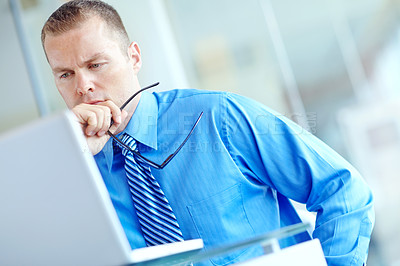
[{"x": 128, "y": 112}]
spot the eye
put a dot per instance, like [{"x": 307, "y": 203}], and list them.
[
  {"x": 65, "y": 75},
  {"x": 94, "y": 66}
]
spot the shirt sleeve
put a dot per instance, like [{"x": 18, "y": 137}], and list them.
[{"x": 273, "y": 150}]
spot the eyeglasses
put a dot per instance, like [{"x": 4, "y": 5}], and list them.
[{"x": 136, "y": 153}]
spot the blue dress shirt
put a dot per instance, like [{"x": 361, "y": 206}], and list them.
[{"x": 233, "y": 177}]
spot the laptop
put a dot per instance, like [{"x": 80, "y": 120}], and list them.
[{"x": 55, "y": 208}]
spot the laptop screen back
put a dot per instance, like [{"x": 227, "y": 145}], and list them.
[{"x": 54, "y": 206}]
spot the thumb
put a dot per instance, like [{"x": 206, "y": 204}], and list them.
[{"x": 116, "y": 128}]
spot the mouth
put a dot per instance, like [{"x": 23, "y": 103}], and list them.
[{"x": 94, "y": 101}]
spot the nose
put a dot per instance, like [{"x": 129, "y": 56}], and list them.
[{"x": 83, "y": 84}]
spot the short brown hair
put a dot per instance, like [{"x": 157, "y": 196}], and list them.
[{"x": 74, "y": 13}]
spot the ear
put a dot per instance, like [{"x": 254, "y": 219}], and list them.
[{"x": 134, "y": 56}]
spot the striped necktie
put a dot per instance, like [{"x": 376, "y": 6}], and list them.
[{"x": 158, "y": 222}]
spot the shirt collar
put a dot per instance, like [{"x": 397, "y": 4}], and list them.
[{"x": 142, "y": 126}]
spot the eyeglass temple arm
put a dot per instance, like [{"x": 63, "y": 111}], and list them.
[
  {"x": 122, "y": 107},
  {"x": 139, "y": 91},
  {"x": 133, "y": 96},
  {"x": 153, "y": 164},
  {"x": 169, "y": 158}
]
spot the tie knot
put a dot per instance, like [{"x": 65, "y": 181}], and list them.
[{"x": 128, "y": 141}]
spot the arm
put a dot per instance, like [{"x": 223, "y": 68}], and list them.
[{"x": 301, "y": 167}]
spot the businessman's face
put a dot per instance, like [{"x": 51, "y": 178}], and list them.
[{"x": 89, "y": 65}]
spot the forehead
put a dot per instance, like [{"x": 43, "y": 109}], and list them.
[
  {"x": 90, "y": 30},
  {"x": 90, "y": 38}
]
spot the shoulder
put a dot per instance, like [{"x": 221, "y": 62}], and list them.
[
  {"x": 206, "y": 98},
  {"x": 187, "y": 95},
  {"x": 191, "y": 100},
  {"x": 218, "y": 103}
]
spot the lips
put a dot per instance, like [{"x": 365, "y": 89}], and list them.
[{"x": 94, "y": 101}]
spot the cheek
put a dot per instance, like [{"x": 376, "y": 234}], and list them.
[
  {"x": 120, "y": 74},
  {"x": 67, "y": 97},
  {"x": 122, "y": 80}
]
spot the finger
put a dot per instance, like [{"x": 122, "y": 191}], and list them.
[
  {"x": 91, "y": 117},
  {"x": 115, "y": 111},
  {"x": 100, "y": 112},
  {"x": 86, "y": 118},
  {"x": 108, "y": 107},
  {"x": 103, "y": 113},
  {"x": 106, "y": 121},
  {"x": 115, "y": 127},
  {"x": 94, "y": 122}
]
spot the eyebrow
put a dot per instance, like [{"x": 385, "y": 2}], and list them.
[{"x": 90, "y": 59}]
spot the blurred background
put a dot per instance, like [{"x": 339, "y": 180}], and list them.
[{"x": 333, "y": 66}]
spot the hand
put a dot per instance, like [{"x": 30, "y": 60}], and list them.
[{"x": 95, "y": 120}]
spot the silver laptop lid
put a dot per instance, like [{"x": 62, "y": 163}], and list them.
[{"x": 54, "y": 206}]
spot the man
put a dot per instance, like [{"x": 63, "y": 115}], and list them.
[{"x": 233, "y": 177}]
